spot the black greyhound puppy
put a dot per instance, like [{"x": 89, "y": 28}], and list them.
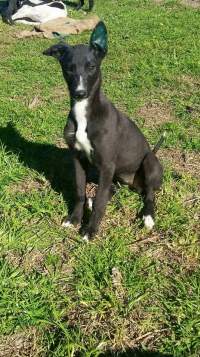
[{"x": 100, "y": 135}]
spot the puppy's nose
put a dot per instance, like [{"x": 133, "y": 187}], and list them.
[{"x": 80, "y": 94}]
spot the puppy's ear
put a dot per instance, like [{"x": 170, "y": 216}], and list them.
[
  {"x": 56, "y": 51},
  {"x": 99, "y": 39}
]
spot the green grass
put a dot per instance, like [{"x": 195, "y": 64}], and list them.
[{"x": 60, "y": 297}]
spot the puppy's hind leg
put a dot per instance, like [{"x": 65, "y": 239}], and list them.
[{"x": 153, "y": 173}]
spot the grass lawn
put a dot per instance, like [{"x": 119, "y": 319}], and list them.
[{"x": 128, "y": 289}]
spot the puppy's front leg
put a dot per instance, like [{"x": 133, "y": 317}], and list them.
[
  {"x": 77, "y": 214},
  {"x": 101, "y": 199}
]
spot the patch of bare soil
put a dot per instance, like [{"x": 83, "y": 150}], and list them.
[
  {"x": 34, "y": 102},
  {"x": 181, "y": 161},
  {"x": 13, "y": 258},
  {"x": 169, "y": 256},
  {"x": 119, "y": 332},
  {"x": 155, "y": 114},
  {"x": 136, "y": 336},
  {"x": 191, "y": 81},
  {"x": 91, "y": 322},
  {"x": 155, "y": 245},
  {"x": 145, "y": 241},
  {"x": 33, "y": 260},
  {"x": 29, "y": 185},
  {"x": 21, "y": 344},
  {"x": 191, "y": 3}
]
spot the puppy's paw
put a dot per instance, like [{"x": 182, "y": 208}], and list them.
[
  {"x": 69, "y": 222},
  {"x": 148, "y": 222},
  {"x": 85, "y": 238},
  {"x": 87, "y": 233},
  {"x": 66, "y": 223}
]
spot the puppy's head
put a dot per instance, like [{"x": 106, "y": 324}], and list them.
[{"x": 81, "y": 63}]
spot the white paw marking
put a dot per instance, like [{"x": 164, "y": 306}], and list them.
[
  {"x": 148, "y": 222},
  {"x": 86, "y": 238},
  {"x": 90, "y": 203},
  {"x": 67, "y": 224},
  {"x": 82, "y": 141}
]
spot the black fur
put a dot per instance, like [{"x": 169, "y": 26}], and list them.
[
  {"x": 81, "y": 4},
  {"x": 120, "y": 151}
]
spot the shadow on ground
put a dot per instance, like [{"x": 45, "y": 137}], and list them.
[
  {"x": 134, "y": 353},
  {"x": 53, "y": 162}
]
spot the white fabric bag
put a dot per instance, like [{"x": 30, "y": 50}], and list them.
[{"x": 35, "y": 12}]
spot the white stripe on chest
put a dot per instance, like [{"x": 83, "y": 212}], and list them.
[{"x": 82, "y": 142}]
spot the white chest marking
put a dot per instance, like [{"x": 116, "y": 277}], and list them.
[{"x": 82, "y": 141}]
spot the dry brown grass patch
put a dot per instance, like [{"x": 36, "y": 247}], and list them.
[
  {"x": 36, "y": 260},
  {"x": 157, "y": 247},
  {"x": 21, "y": 344},
  {"x": 181, "y": 161},
  {"x": 28, "y": 185},
  {"x": 155, "y": 114},
  {"x": 191, "y": 81},
  {"x": 169, "y": 256},
  {"x": 33, "y": 260},
  {"x": 13, "y": 258},
  {"x": 34, "y": 102},
  {"x": 191, "y": 3}
]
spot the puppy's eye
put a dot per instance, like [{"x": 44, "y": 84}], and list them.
[
  {"x": 70, "y": 70},
  {"x": 91, "y": 67}
]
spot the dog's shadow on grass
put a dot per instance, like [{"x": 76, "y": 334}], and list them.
[
  {"x": 131, "y": 353},
  {"x": 53, "y": 162},
  {"x": 134, "y": 353}
]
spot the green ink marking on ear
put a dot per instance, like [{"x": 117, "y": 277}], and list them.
[{"x": 99, "y": 37}]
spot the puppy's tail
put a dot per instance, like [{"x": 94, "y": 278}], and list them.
[{"x": 159, "y": 143}]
